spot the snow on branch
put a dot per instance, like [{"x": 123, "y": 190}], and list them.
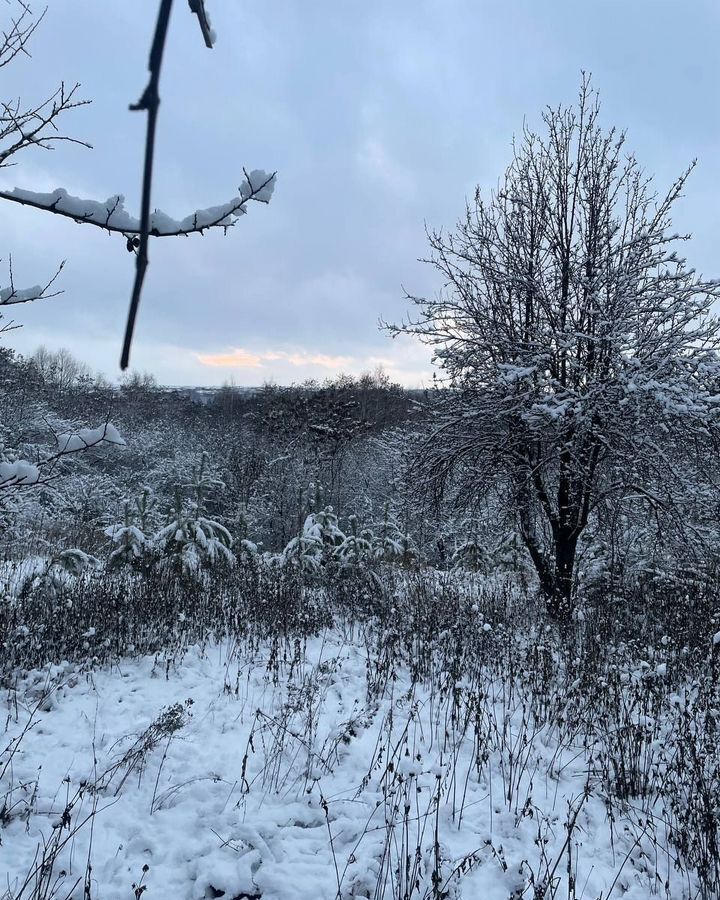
[
  {"x": 13, "y": 294},
  {"x": 17, "y": 473},
  {"x": 10, "y": 295},
  {"x": 111, "y": 215},
  {"x": 72, "y": 442},
  {"x": 21, "y": 473}
]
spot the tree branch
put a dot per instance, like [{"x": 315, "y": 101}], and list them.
[
  {"x": 198, "y": 7},
  {"x": 112, "y": 217},
  {"x": 150, "y": 102}
]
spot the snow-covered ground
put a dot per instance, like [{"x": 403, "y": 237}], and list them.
[{"x": 301, "y": 772}]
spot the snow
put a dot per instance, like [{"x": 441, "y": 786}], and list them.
[
  {"x": 70, "y": 442},
  {"x": 111, "y": 213},
  {"x": 21, "y": 472},
  {"x": 218, "y": 776},
  {"x": 261, "y": 183},
  {"x": 116, "y": 532},
  {"x": 11, "y": 295},
  {"x": 509, "y": 374},
  {"x": 18, "y": 472}
]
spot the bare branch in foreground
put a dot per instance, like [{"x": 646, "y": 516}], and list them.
[
  {"x": 21, "y": 29},
  {"x": 150, "y": 102},
  {"x": 208, "y": 33}
]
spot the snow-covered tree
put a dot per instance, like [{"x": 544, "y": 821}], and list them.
[
  {"x": 317, "y": 543},
  {"x": 54, "y": 574},
  {"x": 471, "y": 554},
  {"x": 579, "y": 349},
  {"x": 356, "y": 548},
  {"x": 191, "y": 540},
  {"x": 132, "y": 545},
  {"x": 391, "y": 543}
]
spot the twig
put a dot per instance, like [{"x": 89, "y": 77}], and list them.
[
  {"x": 150, "y": 101},
  {"x": 198, "y": 7}
]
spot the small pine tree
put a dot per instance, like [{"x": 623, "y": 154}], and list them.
[
  {"x": 356, "y": 548},
  {"x": 191, "y": 540},
  {"x": 471, "y": 554},
  {"x": 317, "y": 543},
  {"x": 388, "y": 540},
  {"x": 130, "y": 544},
  {"x": 59, "y": 571}
]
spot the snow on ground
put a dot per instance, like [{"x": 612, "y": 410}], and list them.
[{"x": 286, "y": 775}]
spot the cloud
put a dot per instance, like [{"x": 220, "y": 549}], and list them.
[
  {"x": 239, "y": 359},
  {"x": 408, "y": 363},
  {"x": 243, "y": 359},
  {"x": 375, "y": 160},
  {"x": 311, "y": 359}
]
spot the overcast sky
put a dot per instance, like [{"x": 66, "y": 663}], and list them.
[{"x": 379, "y": 116}]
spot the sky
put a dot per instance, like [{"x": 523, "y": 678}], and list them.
[{"x": 380, "y": 119}]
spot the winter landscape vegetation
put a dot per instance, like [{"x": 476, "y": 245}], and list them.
[{"x": 359, "y": 636}]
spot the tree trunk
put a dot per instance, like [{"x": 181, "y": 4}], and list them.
[
  {"x": 560, "y": 598},
  {"x": 556, "y": 569}
]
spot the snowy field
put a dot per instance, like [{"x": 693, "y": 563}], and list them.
[{"x": 308, "y": 769}]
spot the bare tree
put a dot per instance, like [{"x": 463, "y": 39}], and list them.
[
  {"x": 579, "y": 349},
  {"x": 60, "y": 367}
]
